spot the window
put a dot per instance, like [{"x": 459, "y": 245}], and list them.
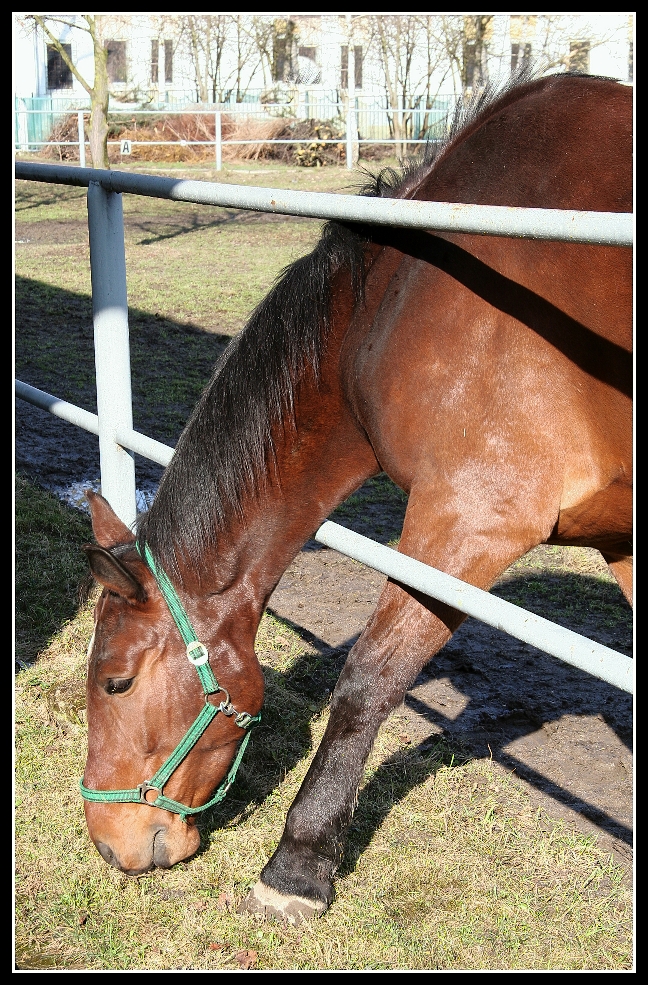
[
  {"x": 357, "y": 66},
  {"x": 168, "y": 61},
  {"x": 308, "y": 72},
  {"x": 59, "y": 75},
  {"x": 579, "y": 52},
  {"x": 116, "y": 61},
  {"x": 520, "y": 56},
  {"x": 357, "y": 55},
  {"x": 282, "y": 50},
  {"x": 344, "y": 67},
  {"x": 155, "y": 61}
]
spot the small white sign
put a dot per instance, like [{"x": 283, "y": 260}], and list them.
[{"x": 125, "y": 147}]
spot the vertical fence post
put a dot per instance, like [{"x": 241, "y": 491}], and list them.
[
  {"x": 22, "y": 127},
  {"x": 398, "y": 114},
  {"x": 112, "y": 354},
  {"x": 350, "y": 135},
  {"x": 82, "y": 161},
  {"x": 218, "y": 136}
]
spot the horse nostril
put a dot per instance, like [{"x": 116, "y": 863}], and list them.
[
  {"x": 107, "y": 854},
  {"x": 160, "y": 853}
]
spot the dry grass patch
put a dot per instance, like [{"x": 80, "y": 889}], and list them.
[{"x": 447, "y": 866}]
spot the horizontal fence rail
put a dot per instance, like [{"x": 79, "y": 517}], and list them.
[
  {"x": 113, "y": 423},
  {"x": 135, "y": 441},
  {"x": 599, "y": 228}
]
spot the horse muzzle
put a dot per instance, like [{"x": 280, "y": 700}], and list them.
[{"x": 135, "y": 844}]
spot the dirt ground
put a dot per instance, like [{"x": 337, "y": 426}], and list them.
[{"x": 566, "y": 735}]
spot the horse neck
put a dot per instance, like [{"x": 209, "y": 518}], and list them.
[{"x": 320, "y": 455}]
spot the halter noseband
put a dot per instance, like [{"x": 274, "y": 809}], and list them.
[{"x": 198, "y": 656}]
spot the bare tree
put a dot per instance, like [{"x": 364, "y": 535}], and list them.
[
  {"x": 202, "y": 38},
  {"x": 394, "y": 39},
  {"x": 101, "y": 28},
  {"x": 225, "y": 51},
  {"x": 564, "y": 42},
  {"x": 262, "y": 30},
  {"x": 477, "y": 30},
  {"x": 436, "y": 70},
  {"x": 248, "y": 57},
  {"x": 414, "y": 52},
  {"x": 98, "y": 91}
]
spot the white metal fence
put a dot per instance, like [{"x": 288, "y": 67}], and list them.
[
  {"x": 113, "y": 422},
  {"x": 362, "y": 122}
]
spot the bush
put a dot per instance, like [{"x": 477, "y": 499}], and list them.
[{"x": 182, "y": 131}]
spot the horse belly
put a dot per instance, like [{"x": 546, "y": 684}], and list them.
[{"x": 603, "y": 520}]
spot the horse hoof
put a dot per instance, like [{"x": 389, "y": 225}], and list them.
[{"x": 268, "y": 904}]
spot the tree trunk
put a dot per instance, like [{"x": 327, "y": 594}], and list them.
[
  {"x": 99, "y": 102},
  {"x": 391, "y": 87}
]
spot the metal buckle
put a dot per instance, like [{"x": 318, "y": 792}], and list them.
[
  {"x": 143, "y": 789},
  {"x": 202, "y": 656},
  {"x": 225, "y": 706}
]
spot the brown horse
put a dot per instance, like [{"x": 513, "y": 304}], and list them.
[{"x": 488, "y": 377}]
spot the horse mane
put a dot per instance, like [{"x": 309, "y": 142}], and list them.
[
  {"x": 224, "y": 452},
  {"x": 225, "y": 449}
]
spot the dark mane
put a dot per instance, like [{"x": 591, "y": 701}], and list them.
[
  {"x": 227, "y": 442},
  {"x": 226, "y": 445}
]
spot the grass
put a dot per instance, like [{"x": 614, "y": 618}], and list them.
[
  {"x": 448, "y": 866},
  {"x": 49, "y": 566},
  {"x": 573, "y": 587},
  {"x": 219, "y": 261}
]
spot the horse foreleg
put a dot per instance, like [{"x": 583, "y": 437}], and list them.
[
  {"x": 398, "y": 641},
  {"x": 622, "y": 568},
  {"x": 404, "y": 633}
]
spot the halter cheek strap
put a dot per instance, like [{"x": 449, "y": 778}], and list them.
[{"x": 198, "y": 656}]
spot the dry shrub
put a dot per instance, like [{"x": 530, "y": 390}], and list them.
[
  {"x": 256, "y": 130},
  {"x": 66, "y": 129},
  {"x": 179, "y": 132}
]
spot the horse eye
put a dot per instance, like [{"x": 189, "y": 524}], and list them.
[{"x": 118, "y": 686}]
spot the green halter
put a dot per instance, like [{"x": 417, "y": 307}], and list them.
[{"x": 198, "y": 656}]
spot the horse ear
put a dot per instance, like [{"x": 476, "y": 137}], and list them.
[
  {"x": 106, "y": 525},
  {"x": 113, "y": 575}
]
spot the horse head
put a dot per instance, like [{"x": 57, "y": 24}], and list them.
[{"x": 163, "y": 732}]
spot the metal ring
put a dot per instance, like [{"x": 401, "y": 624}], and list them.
[
  {"x": 225, "y": 706},
  {"x": 143, "y": 789}
]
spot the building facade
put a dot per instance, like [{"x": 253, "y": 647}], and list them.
[{"x": 235, "y": 58}]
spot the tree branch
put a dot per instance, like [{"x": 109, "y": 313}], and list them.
[{"x": 62, "y": 52}]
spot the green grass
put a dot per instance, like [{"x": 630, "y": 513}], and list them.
[
  {"x": 190, "y": 263},
  {"x": 448, "y": 865},
  {"x": 573, "y": 587},
  {"x": 49, "y": 566}
]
